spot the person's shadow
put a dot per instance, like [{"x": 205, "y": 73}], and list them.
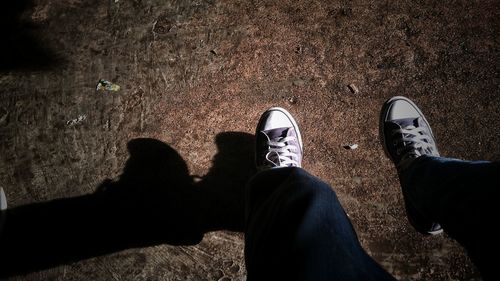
[{"x": 155, "y": 201}]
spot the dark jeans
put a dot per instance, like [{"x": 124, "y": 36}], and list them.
[
  {"x": 297, "y": 230},
  {"x": 462, "y": 196}
]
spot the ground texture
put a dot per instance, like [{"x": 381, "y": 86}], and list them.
[{"x": 196, "y": 75}]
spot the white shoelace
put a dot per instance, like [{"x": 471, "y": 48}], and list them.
[
  {"x": 415, "y": 140},
  {"x": 281, "y": 154}
]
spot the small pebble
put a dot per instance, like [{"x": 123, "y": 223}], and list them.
[
  {"x": 351, "y": 146},
  {"x": 299, "y": 82},
  {"x": 76, "y": 121},
  {"x": 353, "y": 88},
  {"x": 357, "y": 180},
  {"x": 104, "y": 85}
]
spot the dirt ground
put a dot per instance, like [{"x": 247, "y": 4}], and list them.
[{"x": 196, "y": 75}]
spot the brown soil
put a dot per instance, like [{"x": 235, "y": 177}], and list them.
[{"x": 196, "y": 75}]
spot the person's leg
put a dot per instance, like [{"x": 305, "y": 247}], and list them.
[
  {"x": 460, "y": 196},
  {"x": 296, "y": 228},
  {"x": 455, "y": 195}
]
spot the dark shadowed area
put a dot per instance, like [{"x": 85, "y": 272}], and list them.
[{"x": 146, "y": 183}]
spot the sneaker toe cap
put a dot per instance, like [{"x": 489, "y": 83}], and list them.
[
  {"x": 401, "y": 109},
  {"x": 276, "y": 119}
]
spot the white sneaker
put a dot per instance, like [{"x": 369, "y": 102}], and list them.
[
  {"x": 278, "y": 140},
  {"x": 3, "y": 207}
]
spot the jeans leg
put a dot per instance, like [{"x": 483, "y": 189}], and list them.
[
  {"x": 296, "y": 229},
  {"x": 461, "y": 196}
]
